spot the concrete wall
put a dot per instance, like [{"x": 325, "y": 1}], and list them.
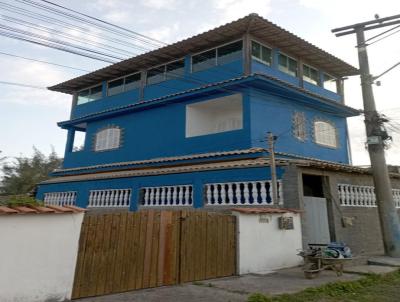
[
  {"x": 38, "y": 256},
  {"x": 263, "y": 247},
  {"x": 364, "y": 235}
]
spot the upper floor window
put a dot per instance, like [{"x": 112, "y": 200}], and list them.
[
  {"x": 310, "y": 74},
  {"x": 108, "y": 138},
  {"x": 166, "y": 72},
  {"x": 217, "y": 56},
  {"x": 123, "y": 84},
  {"x": 90, "y": 94},
  {"x": 79, "y": 141},
  {"x": 261, "y": 53},
  {"x": 330, "y": 83},
  {"x": 325, "y": 133},
  {"x": 287, "y": 65},
  {"x": 299, "y": 126},
  {"x": 214, "y": 116}
]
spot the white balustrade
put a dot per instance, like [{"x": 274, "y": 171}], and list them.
[
  {"x": 241, "y": 193},
  {"x": 362, "y": 196},
  {"x": 180, "y": 195},
  {"x": 110, "y": 198},
  {"x": 60, "y": 198}
]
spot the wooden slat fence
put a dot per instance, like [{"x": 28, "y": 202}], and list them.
[{"x": 119, "y": 252}]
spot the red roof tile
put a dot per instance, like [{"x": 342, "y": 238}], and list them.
[
  {"x": 31, "y": 209},
  {"x": 264, "y": 210}
]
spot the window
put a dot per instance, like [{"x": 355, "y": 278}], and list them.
[
  {"x": 204, "y": 60},
  {"x": 299, "y": 126},
  {"x": 214, "y": 116},
  {"x": 261, "y": 53},
  {"x": 106, "y": 139},
  {"x": 175, "y": 70},
  {"x": 330, "y": 83},
  {"x": 325, "y": 134},
  {"x": 287, "y": 65},
  {"x": 90, "y": 94},
  {"x": 166, "y": 72},
  {"x": 79, "y": 141},
  {"x": 229, "y": 53},
  {"x": 310, "y": 74},
  {"x": 123, "y": 84},
  {"x": 217, "y": 56},
  {"x": 156, "y": 75}
]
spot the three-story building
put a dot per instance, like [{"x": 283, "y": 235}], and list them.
[{"x": 186, "y": 124}]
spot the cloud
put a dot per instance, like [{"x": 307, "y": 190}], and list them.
[
  {"x": 160, "y": 4},
  {"x": 230, "y": 10}
]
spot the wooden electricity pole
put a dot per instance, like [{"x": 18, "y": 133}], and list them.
[
  {"x": 274, "y": 183},
  {"x": 376, "y": 135}
]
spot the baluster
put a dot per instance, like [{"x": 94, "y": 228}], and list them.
[
  {"x": 208, "y": 194},
  {"x": 157, "y": 195},
  {"x": 246, "y": 194},
  {"x": 180, "y": 195},
  {"x": 113, "y": 200},
  {"x": 169, "y": 201},
  {"x": 152, "y": 200},
  {"x": 346, "y": 194},
  {"x": 223, "y": 194},
  {"x": 119, "y": 198},
  {"x": 127, "y": 198},
  {"x": 187, "y": 195},
  {"x": 238, "y": 193},
  {"x": 162, "y": 196},
  {"x": 215, "y": 194},
  {"x": 280, "y": 192},
  {"x": 263, "y": 191},
  {"x": 373, "y": 196},
  {"x": 230, "y": 193},
  {"x": 254, "y": 192},
  {"x": 146, "y": 196},
  {"x": 174, "y": 195},
  {"x": 352, "y": 199}
]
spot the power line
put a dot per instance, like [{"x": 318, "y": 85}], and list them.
[
  {"x": 53, "y": 21},
  {"x": 44, "y": 62},
  {"x": 382, "y": 33},
  {"x": 105, "y": 22},
  {"x": 22, "y": 85}
]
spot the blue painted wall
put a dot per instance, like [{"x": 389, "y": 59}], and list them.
[
  {"x": 258, "y": 67},
  {"x": 157, "y": 132},
  {"x": 197, "y": 179},
  {"x": 274, "y": 114}
]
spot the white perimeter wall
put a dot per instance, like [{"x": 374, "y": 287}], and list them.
[
  {"x": 38, "y": 256},
  {"x": 263, "y": 247}
]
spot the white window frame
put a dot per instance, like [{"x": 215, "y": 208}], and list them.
[
  {"x": 164, "y": 66},
  {"x": 123, "y": 85},
  {"x": 334, "y": 78},
  {"x": 216, "y": 53},
  {"x": 107, "y": 139},
  {"x": 90, "y": 89},
  {"x": 286, "y": 70},
  {"x": 299, "y": 126},
  {"x": 308, "y": 79},
  {"x": 260, "y": 60},
  {"x": 327, "y": 136}
]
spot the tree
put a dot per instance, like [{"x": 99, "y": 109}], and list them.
[{"x": 21, "y": 175}]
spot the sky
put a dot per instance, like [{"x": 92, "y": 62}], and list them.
[{"x": 28, "y": 116}]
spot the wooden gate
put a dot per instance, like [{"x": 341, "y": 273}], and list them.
[{"x": 125, "y": 251}]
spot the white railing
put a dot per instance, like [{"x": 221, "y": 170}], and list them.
[
  {"x": 110, "y": 198},
  {"x": 241, "y": 193},
  {"x": 180, "y": 195},
  {"x": 60, "y": 198},
  {"x": 362, "y": 196}
]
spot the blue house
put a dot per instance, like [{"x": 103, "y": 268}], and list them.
[{"x": 185, "y": 125}]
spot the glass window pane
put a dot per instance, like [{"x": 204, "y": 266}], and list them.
[
  {"x": 310, "y": 74},
  {"x": 95, "y": 93},
  {"x": 293, "y": 67},
  {"x": 330, "y": 83},
  {"x": 230, "y": 52},
  {"x": 204, "y": 60},
  {"x": 83, "y": 97},
  {"x": 132, "y": 81},
  {"x": 255, "y": 50},
  {"x": 266, "y": 55},
  {"x": 115, "y": 87},
  {"x": 175, "y": 70},
  {"x": 156, "y": 75},
  {"x": 283, "y": 60}
]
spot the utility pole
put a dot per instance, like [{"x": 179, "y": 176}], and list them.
[
  {"x": 376, "y": 135},
  {"x": 274, "y": 183}
]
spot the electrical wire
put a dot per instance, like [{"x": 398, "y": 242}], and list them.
[
  {"x": 40, "y": 61},
  {"x": 22, "y": 85}
]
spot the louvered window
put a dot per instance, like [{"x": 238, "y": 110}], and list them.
[
  {"x": 325, "y": 134},
  {"x": 109, "y": 138},
  {"x": 299, "y": 126}
]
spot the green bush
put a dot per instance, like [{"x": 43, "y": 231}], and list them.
[{"x": 257, "y": 297}]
